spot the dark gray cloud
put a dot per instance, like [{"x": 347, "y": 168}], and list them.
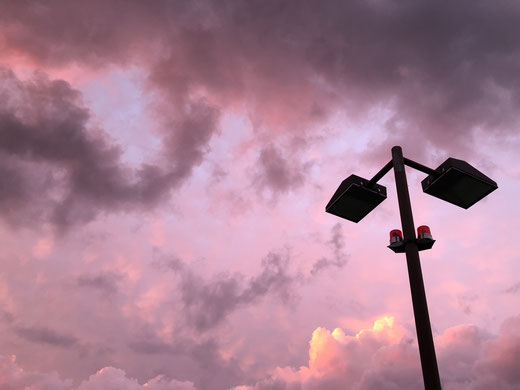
[
  {"x": 47, "y": 149},
  {"x": 208, "y": 303},
  {"x": 58, "y": 32},
  {"x": 276, "y": 384},
  {"x": 6, "y": 316},
  {"x": 55, "y": 168},
  {"x": 276, "y": 172},
  {"x": 339, "y": 258},
  {"x": 204, "y": 305},
  {"x": 106, "y": 283},
  {"x": 444, "y": 68},
  {"x": 147, "y": 346},
  {"x": 45, "y": 335},
  {"x": 186, "y": 137},
  {"x": 466, "y": 302},
  {"x": 515, "y": 288}
]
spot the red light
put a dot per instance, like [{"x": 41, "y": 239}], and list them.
[
  {"x": 396, "y": 233},
  {"x": 395, "y": 236},
  {"x": 423, "y": 229},
  {"x": 423, "y": 232}
]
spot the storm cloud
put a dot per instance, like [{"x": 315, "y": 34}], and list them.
[
  {"x": 442, "y": 70},
  {"x": 56, "y": 168}
]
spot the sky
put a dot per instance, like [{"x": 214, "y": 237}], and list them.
[{"x": 164, "y": 171}]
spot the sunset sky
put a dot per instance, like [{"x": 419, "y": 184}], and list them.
[{"x": 164, "y": 171}]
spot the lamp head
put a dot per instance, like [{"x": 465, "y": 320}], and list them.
[
  {"x": 353, "y": 200},
  {"x": 459, "y": 183}
]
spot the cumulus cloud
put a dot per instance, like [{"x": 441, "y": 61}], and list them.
[
  {"x": 386, "y": 357},
  {"x": 364, "y": 360},
  {"x": 13, "y": 377}
]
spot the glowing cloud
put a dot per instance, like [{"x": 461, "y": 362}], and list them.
[{"x": 386, "y": 357}]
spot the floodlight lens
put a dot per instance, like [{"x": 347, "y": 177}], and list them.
[
  {"x": 353, "y": 200},
  {"x": 459, "y": 183}
]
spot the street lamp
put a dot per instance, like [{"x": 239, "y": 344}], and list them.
[{"x": 454, "y": 181}]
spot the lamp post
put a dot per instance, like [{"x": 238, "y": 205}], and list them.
[{"x": 454, "y": 181}]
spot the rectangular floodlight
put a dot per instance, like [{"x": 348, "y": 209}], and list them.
[
  {"x": 459, "y": 183},
  {"x": 353, "y": 200}
]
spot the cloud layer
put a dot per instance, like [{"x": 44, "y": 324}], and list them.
[
  {"x": 386, "y": 357},
  {"x": 442, "y": 72},
  {"x": 164, "y": 168},
  {"x": 443, "y": 68},
  {"x": 57, "y": 169},
  {"x": 108, "y": 378}
]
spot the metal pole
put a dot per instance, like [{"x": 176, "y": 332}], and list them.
[{"x": 420, "y": 307}]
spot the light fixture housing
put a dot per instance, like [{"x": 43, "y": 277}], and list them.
[
  {"x": 424, "y": 232},
  {"x": 353, "y": 200},
  {"x": 459, "y": 183},
  {"x": 395, "y": 236},
  {"x": 424, "y": 238}
]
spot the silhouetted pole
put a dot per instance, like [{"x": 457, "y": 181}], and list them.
[{"x": 420, "y": 307}]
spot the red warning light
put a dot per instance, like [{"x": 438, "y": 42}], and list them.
[
  {"x": 395, "y": 236},
  {"x": 424, "y": 232}
]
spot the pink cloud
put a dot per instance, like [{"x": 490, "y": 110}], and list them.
[
  {"x": 43, "y": 247},
  {"x": 108, "y": 378},
  {"x": 385, "y": 356},
  {"x": 12, "y": 377},
  {"x": 186, "y": 150}
]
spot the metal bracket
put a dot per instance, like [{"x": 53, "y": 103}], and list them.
[{"x": 422, "y": 244}]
